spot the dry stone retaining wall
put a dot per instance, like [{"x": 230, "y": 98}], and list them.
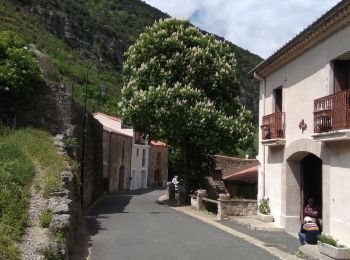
[{"x": 237, "y": 208}]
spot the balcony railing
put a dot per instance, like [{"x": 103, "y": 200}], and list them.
[
  {"x": 273, "y": 126},
  {"x": 332, "y": 112}
]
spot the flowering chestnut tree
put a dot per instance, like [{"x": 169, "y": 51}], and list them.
[{"x": 180, "y": 86}]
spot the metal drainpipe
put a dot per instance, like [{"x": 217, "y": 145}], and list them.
[{"x": 262, "y": 160}]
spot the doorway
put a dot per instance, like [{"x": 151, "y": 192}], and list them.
[
  {"x": 311, "y": 182},
  {"x": 143, "y": 179},
  {"x": 158, "y": 178}
]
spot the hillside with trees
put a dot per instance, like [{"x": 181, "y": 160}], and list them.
[{"x": 62, "y": 29}]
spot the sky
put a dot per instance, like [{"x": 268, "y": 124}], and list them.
[{"x": 260, "y": 26}]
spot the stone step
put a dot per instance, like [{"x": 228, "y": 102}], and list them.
[{"x": 311, "y": 252}]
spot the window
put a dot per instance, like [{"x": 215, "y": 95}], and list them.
[
  {"x": 137, "y": 151},
  {"x": 143, "y": 157}
]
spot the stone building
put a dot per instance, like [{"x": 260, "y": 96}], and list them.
[
  {"x": 305, "y": 125},
  {"x": 243, "y": 184},
  {"x": 158, "y": 164},
  {"x": 231, "y": 176},
  {"x": 117, "y": 151}
]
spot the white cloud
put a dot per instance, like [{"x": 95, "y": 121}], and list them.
[{"x": 261, "y": 26}]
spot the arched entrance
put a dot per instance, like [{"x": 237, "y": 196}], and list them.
[
  {"x": 310, "y": 182},
  {"x": 304, "y": 171}
]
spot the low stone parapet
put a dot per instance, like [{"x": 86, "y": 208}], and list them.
[{"x": 241, "y": 207}]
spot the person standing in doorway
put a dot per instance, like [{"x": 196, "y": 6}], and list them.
[{"x": 310, "y": 209}]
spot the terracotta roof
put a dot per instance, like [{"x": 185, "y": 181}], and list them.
[
  {"x": 158, "y": 143},
  {"x": 329, "y": 23},
  {"x": 249, "y": 175}
]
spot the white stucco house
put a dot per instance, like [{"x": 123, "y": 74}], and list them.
[
  {"x": 139, "y": 162},
  {"x": 305, "y": 125}
]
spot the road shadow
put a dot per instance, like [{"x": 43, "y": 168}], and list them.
[{"x": 91, "y": 223}]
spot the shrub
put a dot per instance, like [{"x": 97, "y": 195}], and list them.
[
  {"x": 45, "y": 218},
  {"x": 51, "y": 252},
  {"x": 19, "y": 71},
  {"x": 70, "y": 143},
  {"x": 264, "y": 207},
  {"x": 326, "y": 239}
]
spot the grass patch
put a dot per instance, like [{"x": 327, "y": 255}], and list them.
[
  {"x": 20, "y": 152},
  {"x": 45, "y": 218},
  {"x": 326, "y": 239}
]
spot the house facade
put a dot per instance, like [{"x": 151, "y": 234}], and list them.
[
  {"x": 117, "y": 153},
  {"x": 139, "y": 163},
  {"x": 158, "y": 164},
  {"x": 125, "y": 156},
  {"x": 304, "y": 106}
]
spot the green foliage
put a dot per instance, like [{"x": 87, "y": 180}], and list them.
[
  {"x": 39, "y": 147},
  {"x": 70, "y": 143},
  {"x": 326, "y": 239},
  {"x": 51, "y": 252},
  {"x": 180, "y": 86},
  {"x": 4, "y": 130},
  {"x": 59, "y": 238},
  {"x": 74, "y": 166},
  {"x": 19, "y": 152},
  {"x": 108, "y": 28},
  {"x": 264, "y": 207},
  {"x": 45, "y": 218},
  {"x": 54, "y": 251},
  {"x": 19, "y": 71},
  {"x": 8, "y": 249},
  {"x": 59, "y": 61}
]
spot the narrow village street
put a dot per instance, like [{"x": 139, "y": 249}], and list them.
[{"x": 134, "y": 225}]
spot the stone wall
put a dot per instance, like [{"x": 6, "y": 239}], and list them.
[
  {"x": 237, "y": 208},
  {"x": 51, "y": 107},
  {"x": 65, "y": 207},
  {"x": 93, "y": 179}
]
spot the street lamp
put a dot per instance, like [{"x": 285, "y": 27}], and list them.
[{"x": 103, "y": 91}]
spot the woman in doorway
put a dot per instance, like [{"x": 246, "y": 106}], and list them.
[{"x": 312, "y": 212}]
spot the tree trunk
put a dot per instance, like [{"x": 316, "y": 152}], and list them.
[
  {"x": 184, "y": 191},
  {"x": 186, "y": 170}
]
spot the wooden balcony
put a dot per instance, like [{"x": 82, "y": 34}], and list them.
[
  {"x": 332, "y": 117},
  {"x": 272, "y": 129}
]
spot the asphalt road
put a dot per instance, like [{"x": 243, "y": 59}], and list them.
[{"x": 134, "y": 226}]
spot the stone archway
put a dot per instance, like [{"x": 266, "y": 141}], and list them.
[{"x": 292, "y": 182}]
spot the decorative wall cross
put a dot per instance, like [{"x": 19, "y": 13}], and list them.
[{"x": 302, "y": 125}]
